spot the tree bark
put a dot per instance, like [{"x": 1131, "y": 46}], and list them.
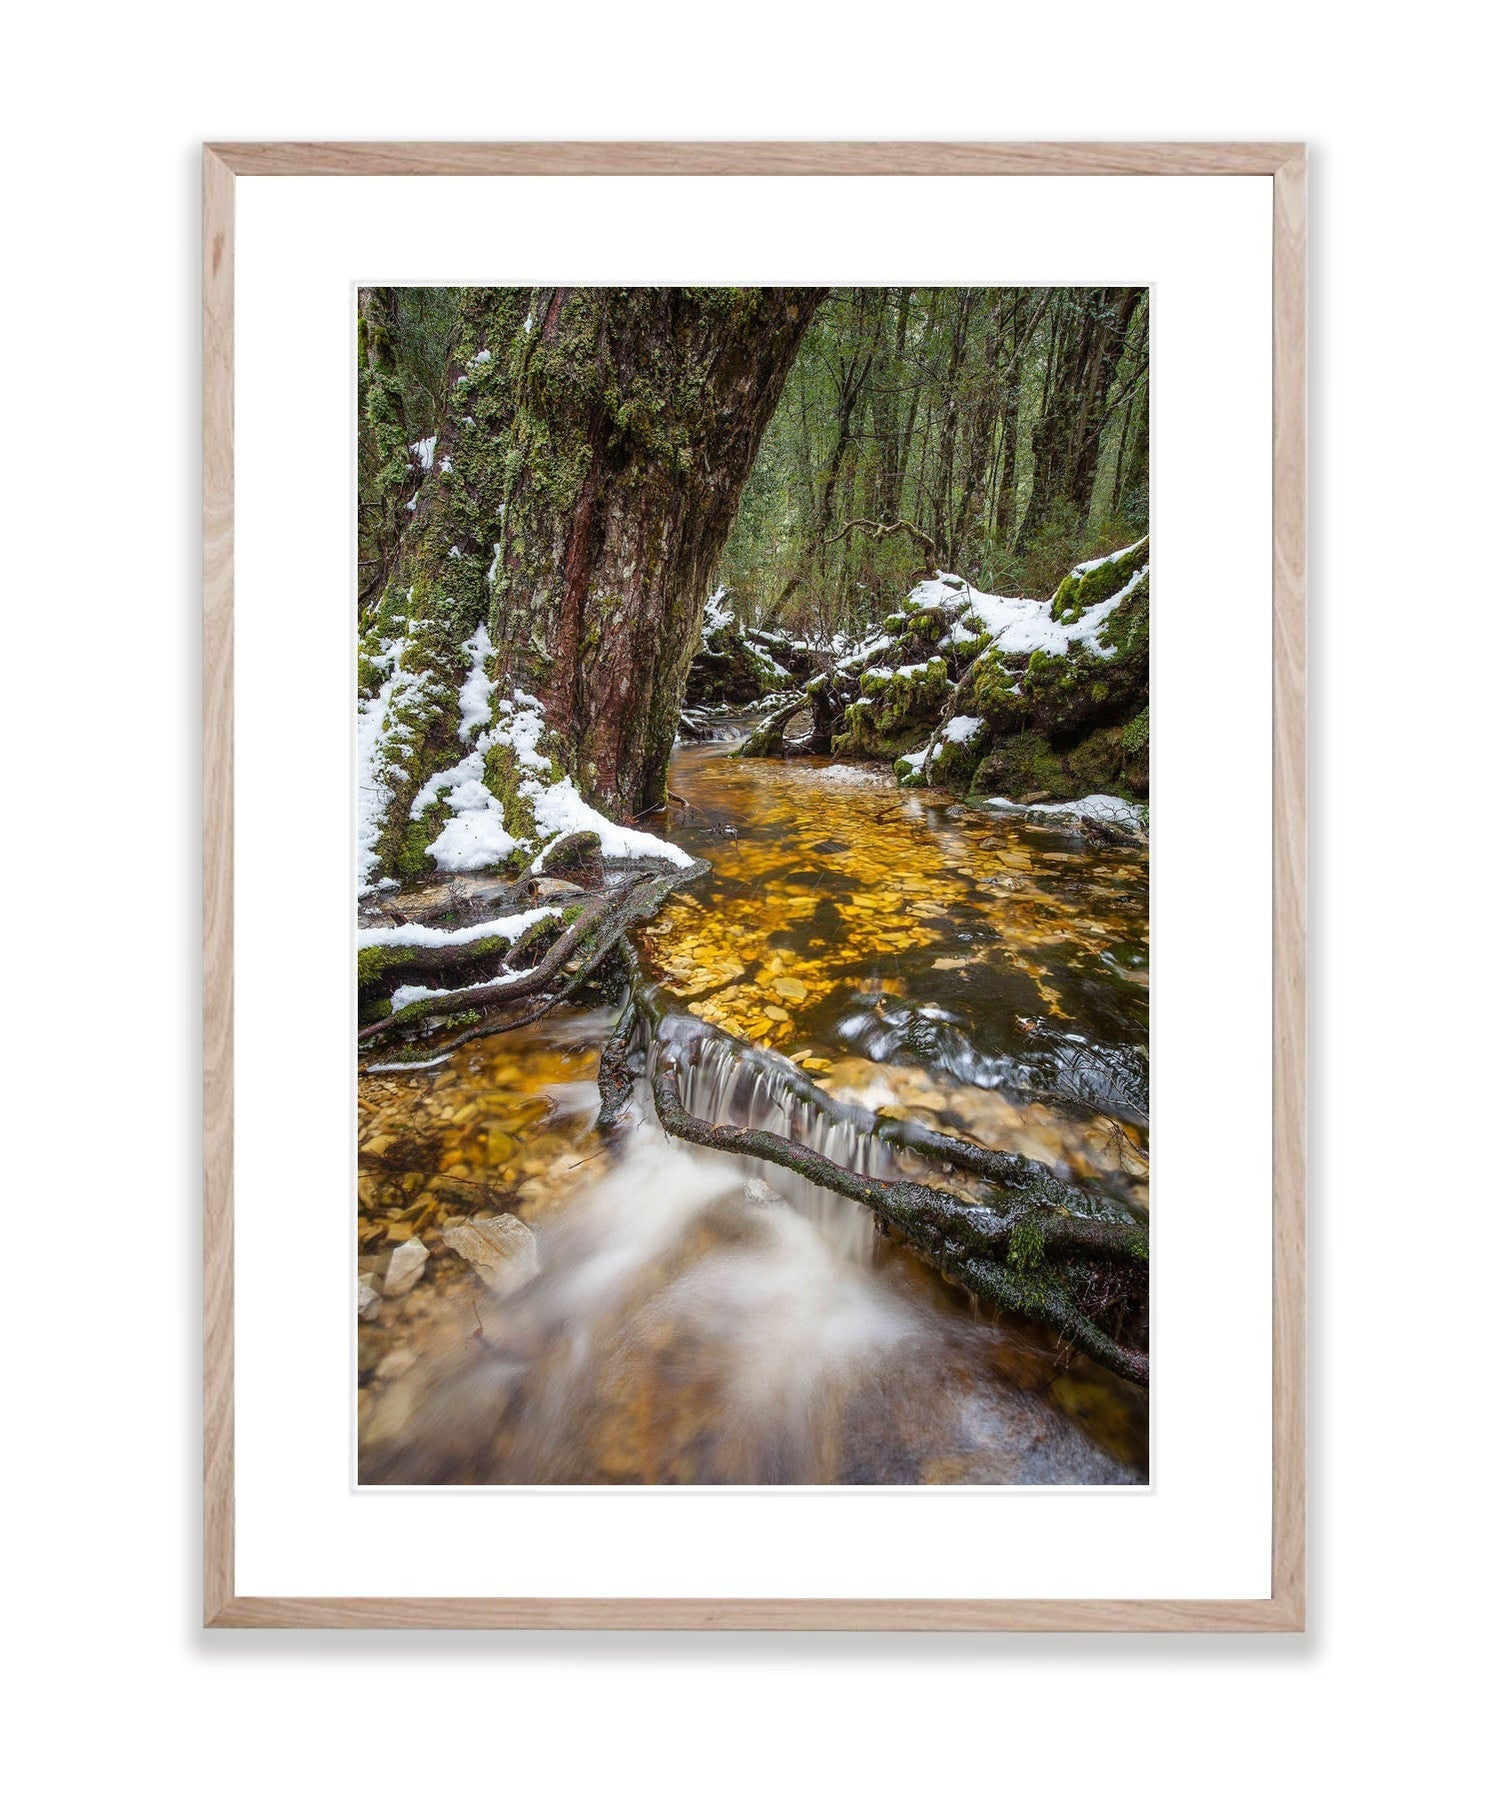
[
  {"x": 584, "y": 479},
  {"x": 1089, "y": 344}
]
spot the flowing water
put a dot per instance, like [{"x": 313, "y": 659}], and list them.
[{"x": 695, "y": 1319}]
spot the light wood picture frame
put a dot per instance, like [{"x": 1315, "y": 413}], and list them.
[{"x": 1285, "y": 164}]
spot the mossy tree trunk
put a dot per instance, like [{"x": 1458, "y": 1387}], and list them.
[
  {"x": 585, "y": 476},
  {"x": 385, "y": 468}
]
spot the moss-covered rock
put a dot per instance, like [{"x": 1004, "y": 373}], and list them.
[
  {"x": 1073, "y": 720},
  {"x": 954, "y": 758},
  {"x": 895, "y": 711},
  {"x": 729, "y": 670},
  {"x": 1011, "y": 696},
  {"x": 1091, "y": 582}
]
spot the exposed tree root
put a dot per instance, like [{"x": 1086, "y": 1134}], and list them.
[
  {"x": 616, "y": 1083},
  {"x": 589, "y": 932},
  {"x": 1040, "y": 1248},
  {"x": 1034, "y": 1254}
]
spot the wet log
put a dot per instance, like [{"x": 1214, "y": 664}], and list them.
[{"x": 768, "y": 739}]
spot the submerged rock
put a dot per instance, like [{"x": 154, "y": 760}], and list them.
[
  {"x": 501, "y": 1251},
  {"x": 405, "y": 1270},
  {"x": 367, "y": 1297}
]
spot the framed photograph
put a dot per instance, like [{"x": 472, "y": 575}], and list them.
[{"x": 754, "y": 803}]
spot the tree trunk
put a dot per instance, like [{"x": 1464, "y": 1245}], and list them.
[
  {"x": 385, "y": 471},
  {"x": 1090, "y": 342},
  {"x": 584, "y": 479}
]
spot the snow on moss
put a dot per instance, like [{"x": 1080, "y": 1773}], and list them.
[
  {"x": 475, "y": 836},
  {"x": 477, "y": 691},
  {"x": 1017, "y": 626},
  {"x": 476, "y": 833},
  {"x": 717, "y": 613},
  {"x": 382, "y": 745},
  {"x": 428, "y": 936},
  {"x": 407, "y": 996},
  {"x": 561, "y": 808},
  {"x": 1087, "y": 568}
]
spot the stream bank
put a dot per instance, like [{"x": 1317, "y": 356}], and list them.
[{"x": 692, "y": 1319}]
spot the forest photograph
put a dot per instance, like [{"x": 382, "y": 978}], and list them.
[{"x": 751, "y": 886}]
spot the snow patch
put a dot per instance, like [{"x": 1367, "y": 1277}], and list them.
[
  {"x": 476, "y": 692},
  {"x": 560, "y": 808},
  {"x": 405, "y": 1067},
  {"x": 1087, "y": 568},
  {"x": 1108, "y": 808},
  {"x": 717, "y": 613},
  {"x": 406, "y": 996},
  {"x": 427, "y": 936},
  {"x": 1020, "y": 626},
  {"x": 475, "y": 836}
]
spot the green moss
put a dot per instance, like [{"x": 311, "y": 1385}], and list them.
[
  {"x": 503, "y": 776},
  {"x": 1079, "y": 591},
  {"x": 991, "y": 682},
  {"x": 954, "y": 764},
  {"x": 1027, "y": 1245},
  {"x": 1024, "y": 763},
  {"x": 371, "y": 964},
  {"x": 1136, "y": 734},
  {"x": 902, "y": 706}
]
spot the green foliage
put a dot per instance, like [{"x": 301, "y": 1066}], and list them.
[{"x": 921, "y": 404}]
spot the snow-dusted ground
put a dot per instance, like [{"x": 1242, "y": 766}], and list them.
[
  {"x": 1019, "y": 626},
  {"x": 476, "y": 833}
]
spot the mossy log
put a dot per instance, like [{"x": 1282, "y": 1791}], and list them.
[{"x": 820, "y": 699}]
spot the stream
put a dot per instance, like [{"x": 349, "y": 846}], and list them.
[{"x": 692, "y": 1319}]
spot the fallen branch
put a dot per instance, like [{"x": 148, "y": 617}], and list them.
[
  {"x": 769, "y": 737},
  {"x": 897, "y": 527}
]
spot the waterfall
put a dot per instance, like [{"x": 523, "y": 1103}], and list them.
[{"x": 723, "y": 1085}]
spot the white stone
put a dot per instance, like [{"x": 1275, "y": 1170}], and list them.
[
  {"x": 406, "y": 1264},
  {"x": 501, "y": 1251},
  {"x": 367, "y": 1297}
]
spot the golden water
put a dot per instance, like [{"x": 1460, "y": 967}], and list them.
[{"x": 954, "y": 965}]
